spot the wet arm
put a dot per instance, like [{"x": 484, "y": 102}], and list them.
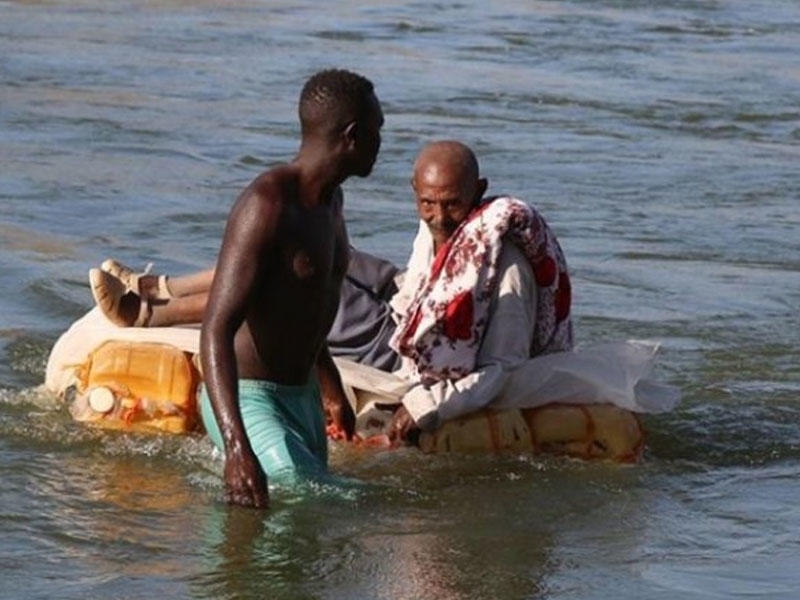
[
  {"x": 338, "y": 411},
  {"x": 248, "y": 235}
]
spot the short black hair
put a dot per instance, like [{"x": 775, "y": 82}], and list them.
[{"x": 331, "y": 99}]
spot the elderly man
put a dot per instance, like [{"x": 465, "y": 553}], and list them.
[{"x": 486, "y": 289}]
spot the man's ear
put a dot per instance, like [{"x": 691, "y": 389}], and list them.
[
  {"x": 483, "y": 183},
  {"x": 349, "y": 134}
]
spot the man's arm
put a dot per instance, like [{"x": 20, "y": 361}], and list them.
[
  {"x": 248, "y": 235},
  {"x": 338, "y": 412},
  {"x": 506, "y": 344}
]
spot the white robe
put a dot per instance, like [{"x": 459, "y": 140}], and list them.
[{"x": 506, "y": 376}]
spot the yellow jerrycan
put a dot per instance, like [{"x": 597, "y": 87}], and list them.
[
  {"x": 590, "y": 432},
  {"x": 135, "y": 386}
]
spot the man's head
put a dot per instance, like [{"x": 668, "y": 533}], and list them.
[
  {"x": 447, "y": 186},
  {"x": 338, "y": 106}
]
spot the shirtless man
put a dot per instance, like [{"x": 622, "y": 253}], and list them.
[{"x": 275, "y": 293}]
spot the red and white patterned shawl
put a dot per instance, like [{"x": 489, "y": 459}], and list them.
[{"x": 446, "y": 315}]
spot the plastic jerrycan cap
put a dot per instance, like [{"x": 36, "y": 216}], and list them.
[{"x": 101, "y": 399}]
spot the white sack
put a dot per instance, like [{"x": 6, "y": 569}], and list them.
[{"x": 614, "y": 372}]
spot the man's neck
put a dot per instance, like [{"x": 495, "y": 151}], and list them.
[{"x": 320, "y": 174}]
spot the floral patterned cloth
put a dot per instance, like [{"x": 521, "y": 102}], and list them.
[{"x": 446, "y": 312}]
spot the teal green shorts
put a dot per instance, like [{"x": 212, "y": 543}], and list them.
[{"x": 284, "y": 423}]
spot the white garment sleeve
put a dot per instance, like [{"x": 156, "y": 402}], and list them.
[{"x": 506, "y": 344}]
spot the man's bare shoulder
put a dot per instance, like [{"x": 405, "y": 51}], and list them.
[{"x": 276, "y": 186}]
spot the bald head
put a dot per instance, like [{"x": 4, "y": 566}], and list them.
[
  {"x": 446, "y": 161},
  {"x": 447, "y": 186}
]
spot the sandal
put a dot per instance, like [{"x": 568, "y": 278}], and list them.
[
  {"x": 132, "y": 279},
  {"x": 110, "y": 293}
]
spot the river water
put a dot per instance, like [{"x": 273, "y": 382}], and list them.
[{"x": 661, "y": 140}]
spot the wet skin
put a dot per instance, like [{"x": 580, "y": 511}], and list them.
[
  {"x": 295, "y": 299},
  {"x": 272, "y": 301},
  {"x": 276, "y": 289}
]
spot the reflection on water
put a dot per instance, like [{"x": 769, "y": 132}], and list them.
[
  {"x": 660, "y": 140},
  {"x": 399, "y": 549}
]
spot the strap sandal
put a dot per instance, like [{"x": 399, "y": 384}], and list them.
[
  {"x": 110, "y": 292},
  {"x": 132, "y": 280}
]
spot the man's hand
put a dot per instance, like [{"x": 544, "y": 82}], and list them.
[
  {"x": 340, "y": 419},
  {"x": 245, "y": 481},
  {"x": 402, "y": 428}
]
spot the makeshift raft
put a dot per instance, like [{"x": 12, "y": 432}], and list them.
[{"x": 146, "y": 380}]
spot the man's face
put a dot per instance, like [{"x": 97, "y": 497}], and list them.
[
  {"x": 368, "y": 137},
  {"x": 444, "y": 199}
]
